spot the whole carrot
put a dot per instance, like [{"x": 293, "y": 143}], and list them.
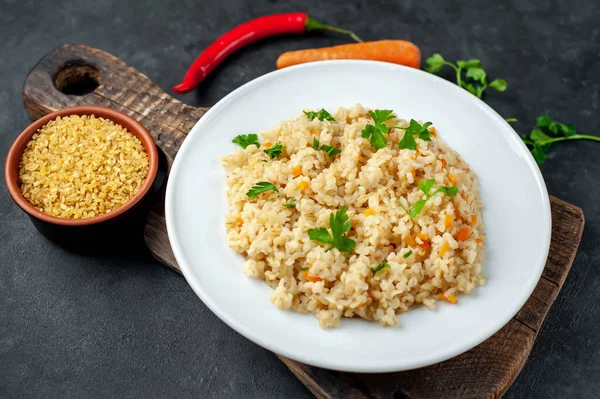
[{"x": 394, "y": 51}]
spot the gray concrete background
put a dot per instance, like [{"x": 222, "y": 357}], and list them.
[{"x": 102, "y": 327}]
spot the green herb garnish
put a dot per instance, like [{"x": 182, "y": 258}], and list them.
[
  {"x": 320, "y": 115},
  {"x": 275, "y": 151},
  {"x": 511, "y": 120},
  {"x": 375, "y": 133},
  {"x": 291, "y": 204},
  {"x": 329, "y": 150},
  {"x": 475, "y": 77},
  {"x": 244, "y": 140},
  {"x": 261, "y": 187},
  {"x": 426, "y": 186},
  {"x": 381, "y": 266},
  {"x": 406, "y": 255},
  {"x": 304, "y": 269},
  {"x": 547, "y": 132},
  {"x": 415, "y": 129},
  {"x": 339, "y": 224}
]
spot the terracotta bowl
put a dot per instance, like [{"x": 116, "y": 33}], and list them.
[{"x": 76, "y": 229}]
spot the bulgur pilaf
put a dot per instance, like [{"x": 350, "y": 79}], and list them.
[{"x": 397, "y": 261}]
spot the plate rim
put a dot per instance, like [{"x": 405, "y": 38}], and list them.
[{"x": 280, "y": 350}]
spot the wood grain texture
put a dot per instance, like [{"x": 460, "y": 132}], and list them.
[
  {"x": 120, "y": 87},
  {"x": 485, "y": 371}
]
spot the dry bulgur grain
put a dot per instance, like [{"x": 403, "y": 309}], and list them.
[{"x": 79, "y": 167}]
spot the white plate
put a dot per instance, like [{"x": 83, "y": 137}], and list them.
[{"x": 516, "y": 216}]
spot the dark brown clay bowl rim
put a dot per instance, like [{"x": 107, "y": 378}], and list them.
[{"x": 13, "y": 159}]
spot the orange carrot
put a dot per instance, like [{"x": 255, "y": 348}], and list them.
[
  {"x": 449, "y": 221},
  {"x": 425, "y": 245},
  {"x": 394, "y": 51},
  {"x": 410, "y": 241},
  {"x": 463, "y": 234},
  {"x": 444, "y": 249},
  {"x": 473, "y": 220}
]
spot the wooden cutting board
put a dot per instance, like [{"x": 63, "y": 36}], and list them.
[{"x": 73, "y": 75}]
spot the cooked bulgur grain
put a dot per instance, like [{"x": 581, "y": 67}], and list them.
[
  {"x": 82, "y": 166},
  {"x": 434, "y": 255}
]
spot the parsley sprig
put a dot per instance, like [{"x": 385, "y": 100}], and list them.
[
  {"x": 475, "y": 77},
  {"x": 275, "y": 150},
  {"x": 291, "y": 204},
  {"x": 261, "y": 187},
  {"x": 329, "y": 150},
  {"x": 547, "y": 132},
  {"x": 381, "y": 266},
  {"x": 320, "y": 115},
  {"x": 375, "y": 132},
  {"x": 425, "y": 186},
  {"x": 339, "y": 224},
  {"x": 244, "y": 140},
  {"x": 415, "y": 129}
]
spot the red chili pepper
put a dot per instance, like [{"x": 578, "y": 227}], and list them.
[{"x": 246, "y": 33}]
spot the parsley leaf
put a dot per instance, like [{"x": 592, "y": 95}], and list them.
[
  {"x": 244, "y": 140},
  {"x": 511, "y": 120},
  {"x": 375, "y": 133},
  {"x": 406, "y": 255},
  {"x": 304, "y": 269},
  {"x": 470, "y": 74},
  {"x": 339, "y": 224},
  {"x": 261, "y": 187},
  {"x": 381, "y": 266},
  {"x": 275, "y": 150},
  {"x": 329, "y": 150},
  {"x": 291, "y": 204},
  {"x": 414, "y": 129},
  {"x": 320, "y": 115},
  {"x": 435, "y": 63},
  {"x": 548, "y": 132},
  {"x": 425, "y": 186}
]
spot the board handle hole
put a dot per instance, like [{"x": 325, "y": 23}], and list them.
[{"x": 77, "y": 78}]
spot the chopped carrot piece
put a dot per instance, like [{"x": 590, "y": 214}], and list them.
[
  {"x": 458, "y": 215},
  {"x": 432, "y": 129},
  {"x": 313, "y": 279},
  {"x": 239, "y": 222},
  {"x": 297, "y": 171},
  {"x": 303, "y": 185},
  {"x": 409, "y": 240},
  {"x": 444, "y": 249},
  {"x": 452, "y": 299},
  {"x": 425, "y": 245},
  {"x": 444, "y": 163},
  {"x": 473, "y": 220},
  {"x": 314, "y": 131},
  {"x": 451, "y": 178},
  {"x": 423, "y": 236},
  {"x": 463, "y": 234},
  {"x": 449, "y": 220},
  {"x": 479, "y": 239},
  {"x": 267, "y": 144},
  {"x": 369, "y": 212},
  {"x": 442, "y": 296}
]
